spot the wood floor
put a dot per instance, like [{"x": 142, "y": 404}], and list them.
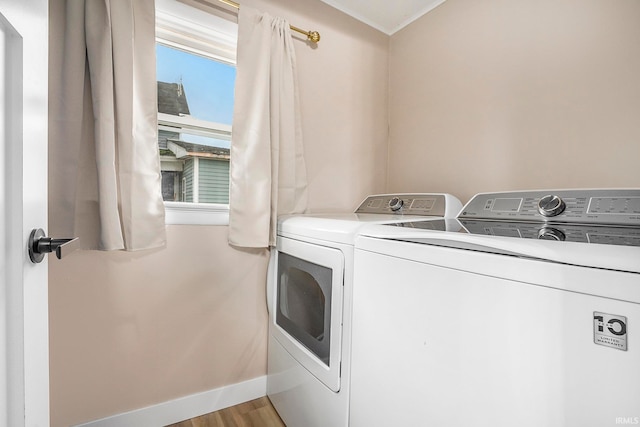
[{"x": 255, "y": 413}]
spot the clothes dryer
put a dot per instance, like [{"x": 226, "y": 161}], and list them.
[
  {"x": 309, "y": 298},
  {"x": 525, "y": 311}
]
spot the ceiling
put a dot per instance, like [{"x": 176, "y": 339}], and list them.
[{"x": 387, "y": 16}]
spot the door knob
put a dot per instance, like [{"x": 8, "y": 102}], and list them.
[{"x": 40, "y": 244}]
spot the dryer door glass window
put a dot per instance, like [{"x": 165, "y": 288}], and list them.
[{"x": 304, "y": 303}]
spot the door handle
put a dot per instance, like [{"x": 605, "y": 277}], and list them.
[{"x": 40, "y": 245}]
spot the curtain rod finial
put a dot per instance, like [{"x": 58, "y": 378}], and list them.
[{"x": 314, "y": 36}]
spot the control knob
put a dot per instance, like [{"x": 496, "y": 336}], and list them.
[
  {"x": 550, "y": 205},
  {"x": 395, "y": 204}
]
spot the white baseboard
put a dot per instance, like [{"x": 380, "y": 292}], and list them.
[{"x": 187, "y": 407}]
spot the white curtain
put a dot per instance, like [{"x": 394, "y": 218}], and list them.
[
  {"x": 268, "y": 173},
  {"x": 106, "y": 187}
]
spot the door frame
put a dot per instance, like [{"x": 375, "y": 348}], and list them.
[{"x": 25, "y": 391}]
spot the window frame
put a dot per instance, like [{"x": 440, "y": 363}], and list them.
[{"x": 190, "y": 29}]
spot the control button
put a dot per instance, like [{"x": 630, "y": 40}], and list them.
[
  {"x": 551, "y": 205},
  {"x": 374, "y": 204},
  {"x": 548, "y": 233},
  {"x": 395, "y": 204}
]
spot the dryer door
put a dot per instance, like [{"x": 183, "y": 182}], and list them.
[{"x": 308, "y": 306}]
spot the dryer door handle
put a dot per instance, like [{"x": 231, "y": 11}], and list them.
[{"x": 272, "y": 279}]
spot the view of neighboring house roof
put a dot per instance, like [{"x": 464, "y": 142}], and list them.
[
  {"x": 183, "y": 149},
  {"x": 172, "y": 99}
]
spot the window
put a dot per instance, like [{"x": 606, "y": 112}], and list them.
[{"x": 195, "y": 54}]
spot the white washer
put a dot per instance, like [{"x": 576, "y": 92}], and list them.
[
  {"x": 309, "y": 300},
  {"x": 525, "y": 312}
]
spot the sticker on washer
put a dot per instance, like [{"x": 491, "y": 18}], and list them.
[{"x": 610, "y": 330}]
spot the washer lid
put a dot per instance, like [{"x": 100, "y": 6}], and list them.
[
  {"x": 615, "y": 249},
  {"x": 527, "y": 263}
]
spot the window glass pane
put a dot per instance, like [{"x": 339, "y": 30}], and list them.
[
  {"x": 208, "y": 84},
  {"x": 195, "y": 111}
]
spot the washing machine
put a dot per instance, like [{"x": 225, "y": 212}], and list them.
[
  {"x": 524, "y": 311},
  {"x": 309, "y": 300}
]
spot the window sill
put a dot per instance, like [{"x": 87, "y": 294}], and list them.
[{"x": 178, "y": 213}]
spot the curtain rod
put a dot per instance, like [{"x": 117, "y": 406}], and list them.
[{"x": 313, "y": 36}]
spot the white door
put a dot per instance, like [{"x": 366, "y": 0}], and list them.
[{"x": 24, "y": 346}]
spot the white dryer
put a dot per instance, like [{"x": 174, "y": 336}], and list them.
[
  {"x": 309, "y": 300},
  {"x": 525, "y": 311}
]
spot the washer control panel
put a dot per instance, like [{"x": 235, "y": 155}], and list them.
[
  {"x": 406, "y": 204},
  {"x": 605, "y": 207}
]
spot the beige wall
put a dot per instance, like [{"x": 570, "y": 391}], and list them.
[
  {"x": 501, "y": 94},
  {"x": 489, "y": 95},
  {"x": 130, "y": 330}
]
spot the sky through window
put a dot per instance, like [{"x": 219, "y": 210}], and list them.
[{"x": 208, "y": 84}]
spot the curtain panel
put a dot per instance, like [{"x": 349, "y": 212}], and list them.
[
  {"x": 267, "y": 168},
  {"x": 107, "y": 183}
]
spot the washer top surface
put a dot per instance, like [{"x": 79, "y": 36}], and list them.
[
  {"x": 591, "y": 228},
  {"x": 377, "y": 209}
]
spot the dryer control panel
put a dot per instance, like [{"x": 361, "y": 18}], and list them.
[
  {"x": 406, "y": 204},
  {"x": 597, "y": 207}
]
